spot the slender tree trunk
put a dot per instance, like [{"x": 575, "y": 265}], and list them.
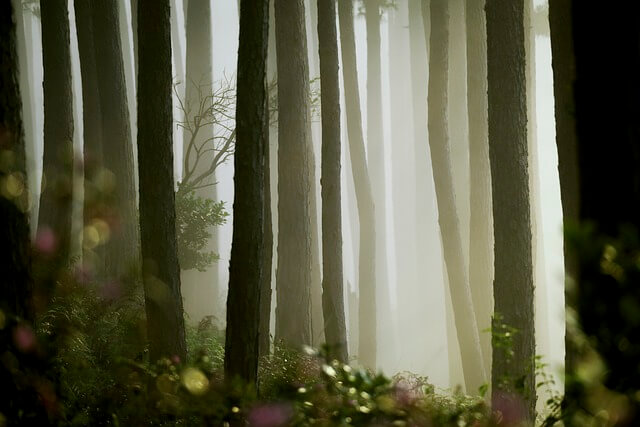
[
  {"x": 267, "y": 251},
  {"x": 367, "y": 318},
  {"x": 293, "y": 311},
  {"x": 513, "y": 283},
  {"x": 246, "y": 268},
  {"x": 54, "y": 222},
  {"x": 161, "y": 273},
  {"x": 481, "y": 220},
  {"x": 332, "y": 278},
  {"x": 122, "y": 250},
  {"x": 464, "y": 313}
]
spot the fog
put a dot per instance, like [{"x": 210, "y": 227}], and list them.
[{"x": 415, "y": 330}]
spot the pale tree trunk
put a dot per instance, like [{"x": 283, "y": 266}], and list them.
[
  {"x": 247, "y": 267},
  {"x": 367, "y": 315},
  {"x": 513, "y": 286},
  {"x": 464, "y": 314},
  {"x": 293, "y": 281},
  {"x": 54, "y": 222},
  {"x": 122, "y": 249},
  {"x": 333, "y": 280},
  {"x": 481, "y": 220},
  {"x": 161, "y": 273}
]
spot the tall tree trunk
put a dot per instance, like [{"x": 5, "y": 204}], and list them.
[
  {"x": 54, "y": 222},
  {"x": 367, "y": 318},
  {"x": 464, "y": 313},
  {"x": 202, "y": 290},
  {"x": 246, "y": 268},
  {"x": 267, "y": 251},
  {"x": 481, "y": 220},
  {"x": 332, "y": 277},
  {"x": 122, "y": 250},
  {"x": 513, "y": 287},
  {"x": 161, "y": 273},
  {"x": 563, "y": 61},
  {"x": 92, "y": 128},
  {"x": 293, "y": 311}
]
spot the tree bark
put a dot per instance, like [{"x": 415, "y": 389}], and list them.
[
  {"x": 481, "y": 220},
  {"x": 161, "y": 273},
  {"x": 56, "y": 195},
  {"x": 332, "y": 272},
  {"x": 293, "y": 281},
  {"x": 513, "y": 283},
  {"x": 246, "y": 268},
  {"x": 367, "y": 318},
  {"x": 464, "y": 313},
  {"x": 122, "y": 250}
]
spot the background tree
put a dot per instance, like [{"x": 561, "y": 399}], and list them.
[
  {"x": 367, "y": 319},
  {"x": 464, "y": 313},
  {"x": 332, "y": 278},
  {"x": 246, "y": 267},
  {"x": 481, "y": 221},
  {"x": 54, "y": 222},
  {"x": 122, "y": 250},
  {"x": 161, "y": 273},
  {"x": 293, "y": 276},
  {"x": 513, "y": 288}
]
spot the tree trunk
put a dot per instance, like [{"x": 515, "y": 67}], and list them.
[
  {"x": 367, "y": 318},
  {"x": 481, "y": 220},
  {"x": 293, "y": 311},
  {"x": 332, "y": 277},
  {"x": 122, "y": 250},
  {"x": 464, "y": 314},
  {"x": 161, "y": 273},
  {"x": 246, "y": 268},
  {"x": 513, "y": 283},
  {"x": 54, "y": 222}
]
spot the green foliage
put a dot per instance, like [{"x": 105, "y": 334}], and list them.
[{"x": 195, "y": 216}]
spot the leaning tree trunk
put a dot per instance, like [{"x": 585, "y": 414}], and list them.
[
  {"x": 246, "y": 268},
  {"x": 122, "y": 250},
  {"x": 332, "y": 277},
  {"x": 464, "y": 313},
  {"x": 513, "y": 283},
  {"x": 367, "y": 318},
  {"x": 161, "y": 273},
  {"x": 481, "y": 220},
  {"x": 293, "y": 316},
  {"x": 54, "y": 222}
]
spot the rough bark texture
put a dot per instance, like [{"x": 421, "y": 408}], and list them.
[
  {"x": 267, "y": 251},
  {"x": 161, "y": 273},
  {"x": 366, "y": 213},
  {"x": 563, "y": 61},
  {"x": 332, "y": 277},
  {"x": 293, "y": 281},
  {"x": 15, "y": 250},
  {"x": 481, "y": 220},
  {"x": 464, "y": 314},
  {"x": 513, "y": 287},
  {"x": 122, "y": 250},
  {"x": 92, "y": 119},
  {"x": 246, "y": 268},
  {"x": 56, "y": 197}
]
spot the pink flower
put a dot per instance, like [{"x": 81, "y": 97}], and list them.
[
  {"x": 24, "y": 338},
  {"x": 46, "y": 242},
  {"x": 509, "y": 408},
  {"x": 272, "y": 415}
]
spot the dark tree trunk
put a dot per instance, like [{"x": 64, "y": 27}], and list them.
[
  {"x": 92, "y": 125},
  {"x": 246, "y": 268},
  {"x": 122, "y": 251},
  {"x": 439, "y": 144},
  {"x": 293, "y": 311},
  {"x": 57, "y": 167},
  {"x": 513, "y": 283},
  {"x": 332, "y": 278},
  {"x": 366, "y": 213},
  {"x": 161, "y": 273},
  {"x": 481, "y": 220}
]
